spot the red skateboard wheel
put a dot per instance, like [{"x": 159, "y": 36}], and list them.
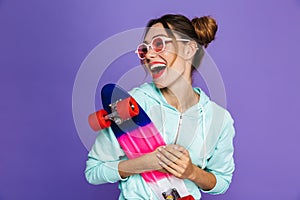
[
  {"x": 127, "y": 108},
  {"x": 97, "y": 120},
  {"x": 190, "y": 197}
]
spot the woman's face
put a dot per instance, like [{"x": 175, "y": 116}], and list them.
[{"x": 168, "y": 65}]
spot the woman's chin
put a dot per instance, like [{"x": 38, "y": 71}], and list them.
[{"x": 159, "y": 79}]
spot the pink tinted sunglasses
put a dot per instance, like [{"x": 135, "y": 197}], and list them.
[{"x": 158, "y": 44}]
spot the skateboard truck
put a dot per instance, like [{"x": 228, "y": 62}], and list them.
[
  {"x": 121, "y": 110},
  {"x": 172, "y": 194}
]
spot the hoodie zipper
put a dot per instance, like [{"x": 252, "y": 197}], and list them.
[{"x": 178, "y": 128}]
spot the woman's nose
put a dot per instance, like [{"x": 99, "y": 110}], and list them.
[{"x": 151, "y": 53}]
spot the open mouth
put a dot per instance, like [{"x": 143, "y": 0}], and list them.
[{"x": 157, "y": 69}]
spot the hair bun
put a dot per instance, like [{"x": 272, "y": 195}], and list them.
[{"x": 206, "y": 28}]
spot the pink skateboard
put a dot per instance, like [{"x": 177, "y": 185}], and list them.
[{"x": 137, "y": 135}]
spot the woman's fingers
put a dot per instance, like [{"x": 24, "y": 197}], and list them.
[
  {"x": 172, "y": 154},
  {"x": 175, "y": 159}
]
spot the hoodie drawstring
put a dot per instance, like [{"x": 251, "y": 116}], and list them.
[
  {"x": 204, "y": 137},
  {"x": 163, "y": 117}
]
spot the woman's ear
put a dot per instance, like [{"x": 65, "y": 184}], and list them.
[{"x": 190, "y": 50}]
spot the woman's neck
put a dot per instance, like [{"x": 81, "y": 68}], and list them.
[{"x": 181, "y": 95}]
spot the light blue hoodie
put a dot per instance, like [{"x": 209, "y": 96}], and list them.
[{"x": 205, "y": 129}]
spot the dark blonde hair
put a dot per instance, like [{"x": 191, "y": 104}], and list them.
[{"x": 202, "y": 30}]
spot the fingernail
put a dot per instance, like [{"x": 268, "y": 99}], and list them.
[{"x": 161, "y": 148}]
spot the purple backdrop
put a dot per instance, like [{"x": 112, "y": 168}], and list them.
[{"x": 42, "y": 45}]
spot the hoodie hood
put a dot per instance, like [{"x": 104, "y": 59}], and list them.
[{"x": 150, "y": 90}]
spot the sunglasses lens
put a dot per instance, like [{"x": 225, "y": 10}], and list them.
[
  {"x": 158, "y": 45},
  {"x": 142, "y": 51}
]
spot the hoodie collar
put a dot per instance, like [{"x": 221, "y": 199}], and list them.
[{"x": 153, "y": 92}]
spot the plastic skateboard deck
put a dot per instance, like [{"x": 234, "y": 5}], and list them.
[{"x": 137, "y": 135}]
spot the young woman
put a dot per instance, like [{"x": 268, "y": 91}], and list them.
[{"x": 199, "y": 150}]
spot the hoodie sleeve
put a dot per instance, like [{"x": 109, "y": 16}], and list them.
[
  {"x": 103, "y": 159},
  {"x": 221, "y": 163}
]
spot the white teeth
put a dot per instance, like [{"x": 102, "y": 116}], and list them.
[{"x": 157, "y": 66}]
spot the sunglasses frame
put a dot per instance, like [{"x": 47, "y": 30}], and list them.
[{"x": 163, "y": 39}]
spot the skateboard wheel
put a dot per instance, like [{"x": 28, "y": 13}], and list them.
[
  {"x": 97, "y": 120},
  {"x": 190, "y": 197},
  {"x": 127, "y": 108}
]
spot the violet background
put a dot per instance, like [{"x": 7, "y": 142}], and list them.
[{"x": 43, "y": 43}]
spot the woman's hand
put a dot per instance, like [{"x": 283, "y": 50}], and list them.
[
  {"x": 176, "y": 160},
  {"x": 173, "y": 159},
  {"x": 144, "y": 163},
  {"x": 151, "y": 161}
]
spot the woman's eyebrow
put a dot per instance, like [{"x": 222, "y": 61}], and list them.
[{"x": 158, "y": 35}]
